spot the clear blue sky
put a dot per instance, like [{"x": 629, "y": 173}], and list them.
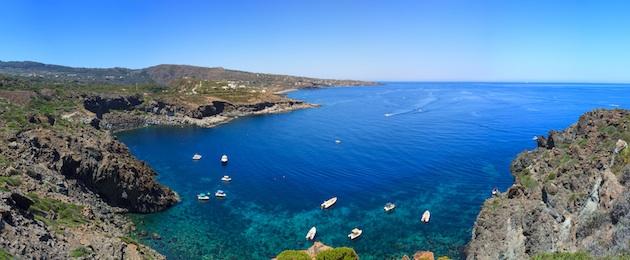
[{"x": 485, "y": 40}]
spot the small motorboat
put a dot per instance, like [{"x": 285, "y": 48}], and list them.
[
  {"x": 220, "y": 194},
  {"x": 226, "y": 178},
  {"x": 355, "y": 233},
  {"x": 426, "y": 216},
  {"x": 311, "y": 233},
  {"x": 389, "y": 207},
  {"x": 196, "y": 157},
  {"x": 203, "y": 196},
  {"x": 329, "y": 203},
  {"x": 224, "y": 159},
  {"x": 337, "y": 141},
  {"x": 495, "y": 191}
]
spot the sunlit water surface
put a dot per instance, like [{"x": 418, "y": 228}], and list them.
[{"x": 436, "y": 146}]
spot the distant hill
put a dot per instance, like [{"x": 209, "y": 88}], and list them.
[{"x": 165, "y": 75}]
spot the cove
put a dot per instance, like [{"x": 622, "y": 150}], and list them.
[{"x": 436, "y": 146}]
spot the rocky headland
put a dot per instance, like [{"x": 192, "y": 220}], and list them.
[
  {"x": 570, "y": 197},
  {"x": 66, "y": 183}
]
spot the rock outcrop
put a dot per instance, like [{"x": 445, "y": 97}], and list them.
[
  {"x": 129, "y": 112},
  {"x": 570, "y": 194},
  {"x": 101, "y": 104},
  {"x": 101, "y": 163}
]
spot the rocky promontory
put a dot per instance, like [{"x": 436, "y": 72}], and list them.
[
  {"x": 570, "y": 195},
  {"x": 66, "y": 182}
]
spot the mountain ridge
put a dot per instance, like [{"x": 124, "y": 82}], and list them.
[{"x": 166, "y": 74}]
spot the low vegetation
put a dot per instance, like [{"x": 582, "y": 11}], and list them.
[
  {"x": 129, "y": 240},
  {"x": 340, "y": 253},
  {"x": 562, "y": 256},
  {"x": 526, "y": 180},
  {"x": 4, "y": 255},
  {"x": 80, "y": 252},
  {"x": 56, "y": 214},
  {"x": 9, "y": 181},
  {"x": 293, "y": 255}
]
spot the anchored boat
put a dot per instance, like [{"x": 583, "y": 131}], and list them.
[
  {"x": 426, "y": 216},
  {"x": 203, "y": 196},
  {"x": 329, "y": 203},
  {"x": 196, "y": 157},
  {"x": 311, "y": 233},
  {"x": 389, "y": 207},
  {"x": 224, "y": 159},
  {"x": 220, "y": 194},
  {"x": 355, "y": 233},
  {"x": 226, "y": 178}
]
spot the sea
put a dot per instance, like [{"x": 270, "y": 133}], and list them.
[{"x": 440, "y": 147}]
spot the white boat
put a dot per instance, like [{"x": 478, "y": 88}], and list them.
[
  {"x": 196, "y": 156},
  {"x": 495, "y": 191},
  {"x": 329, "y": 203},
  {"x": 311, "y": 233},
  {"x": 389, "y": 207},
  {"x": 220, "y": 194},
  {"x": 355, "y": 233},
  {"x": 426, "y": 216},
  {"x": 224, "y": 159},
  {"x": 337, "y": 141},
  {"x": 226, "y": 178},
  {"x": 203, "y": 196}
]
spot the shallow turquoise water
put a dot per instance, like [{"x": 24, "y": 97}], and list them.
[{"x": 436, "y": 146}]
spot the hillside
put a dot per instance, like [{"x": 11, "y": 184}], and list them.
[
  {"x": 166, "y": 75},
  {"x": 570, "y": 197},
  {"x": 66, "y": 182}
]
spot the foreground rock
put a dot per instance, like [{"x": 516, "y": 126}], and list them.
[
  {"x": 100, "y": 163},
  {"x": 319, "y": 251},
  {"x": 570, "y": 194}
]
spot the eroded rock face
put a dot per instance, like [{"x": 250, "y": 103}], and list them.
[
  {"x": 101, "y": 104},
  {"x": 570, "y": 194},
  {"x": 102, "y": 164}
]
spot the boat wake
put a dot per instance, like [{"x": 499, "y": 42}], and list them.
[{"x": 419, "y": 107}]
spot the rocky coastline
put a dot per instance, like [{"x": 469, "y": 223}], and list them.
[
  {"x": 67, "y": 183},
  {"x": 570, "y": 196}
]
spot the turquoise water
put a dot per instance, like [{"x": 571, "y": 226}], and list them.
[{"x": 436, "y": 146}]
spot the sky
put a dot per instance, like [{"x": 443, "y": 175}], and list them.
[{"x": 442, "y": 40}]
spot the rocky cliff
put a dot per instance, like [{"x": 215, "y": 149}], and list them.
[
  {"x": 123, "y": 112},
  {"x": 66, "y": 182},
  {"x": 570, "y": 194}
]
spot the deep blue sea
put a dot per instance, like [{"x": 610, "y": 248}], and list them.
[{"x": 436, "y": 146}]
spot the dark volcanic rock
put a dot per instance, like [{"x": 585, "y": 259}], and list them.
[
  {"x": 217, "y": 107},
  {"x": 101, "y": 104},
  {"x": 570, "y": 194},
  {"x": 102, "y": 164}
]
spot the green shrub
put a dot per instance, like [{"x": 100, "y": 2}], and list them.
[
  {"x": 10, "y": 181},
  {"x": 340, "y": 253},
  {"x": 293, "y": 255},
  {"x": 551, "y": 176},
  {"x": 562, "y": 256},
  {"x": 80, "y": 252},
  {"x": 527, "y": 181},
  {"x": 4, "y": 254},
  {"x": 4, "y": 162},
  {"x": 66, "y": 214},
  {"x": 129, "y": 240}
]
